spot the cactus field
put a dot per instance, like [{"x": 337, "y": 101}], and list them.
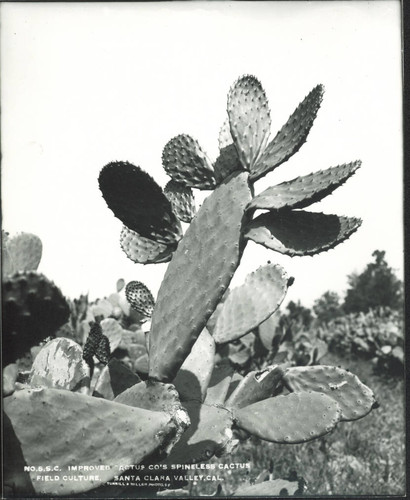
[{"x": 206, "y": 373}]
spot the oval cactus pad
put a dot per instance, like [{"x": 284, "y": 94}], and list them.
[
  {"x": 251, "y": 303},
  {"x": 354, "y": 398},
  {"x": 197, "y": 276},
  {"x": 137, "y": 200},
  {"x": 249, "y": 119},
  {"x": 144, "y": 250},
  {"x": 291, "y": 136},
  {"x": 25, "y": 250},
  {"x": 303, "y": 191},
  {"x": 63, "y": 428},
  {"x": 313, "y": 415},
  {"x": 182, "y": 200},
  {"x": 294, "y": 232},
  {"x": 186, "y": 163}
]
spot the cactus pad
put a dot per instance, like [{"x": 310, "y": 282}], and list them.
[
  {"x": 193, "y": 377},
  {"x": 303, "y": 191},
  {"x": 209, "y": 434},
  {"x": 33, "y": 309},
  {"x": 197, "y": 276},
  {"x": 151, "y": 395},
  {"x": 182, "y": 200},
  {"x": 269, "y": 332},
  {"x": 137, "y": 200},
  {"x": 251, "y": 303},
  {"x": 113, "y": 331},
  {"x": 255, "y": 386},
  {"x": 354, "y": 398},
  {"x": 140, "y": 298},
  {"x": 143, "y": 250},
  {"x": 299, "y": 232},
  {"x": 228, "y": 160},
  {"x": 313, "y": 415},
  {"x": 114, "y": 379},
  {"x": 186, "y": 163},
  {"x": 292, "y": 135},
  {"x": 249, "y": 119},
  {"x": 60, "y": 364},
  {"x": 219, "y": 383},
  {"x": 25, "y": 250},
  {"x": 63, "y": 428}
]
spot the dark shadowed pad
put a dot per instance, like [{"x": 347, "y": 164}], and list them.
[
  {"x": 138, "y": 201},
  {"x": 299, "y": 232}
]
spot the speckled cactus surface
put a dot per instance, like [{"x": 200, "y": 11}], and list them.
[{"x": 145, "y": 381}]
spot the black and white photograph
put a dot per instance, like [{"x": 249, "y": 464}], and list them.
[{"x": 202, "y": 249}]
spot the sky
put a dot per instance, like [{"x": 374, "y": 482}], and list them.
[{"x": 86, "y": 84}]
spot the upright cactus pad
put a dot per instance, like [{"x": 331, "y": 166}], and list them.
[
  {"x": 299, "y": 232},
  {"x": 193, "y": 377},
  {"x": 197, "y": 276},
  {"x": 250, "y": 304},
  {"x": 228, "y": 159},
  {"x": 25, "y": 250},
  {"x": 144, "y": 250},
  {"x": 114, "y": 379},
  {"x": 186, "y": 163},
  {"x": 219, "y": 384},
  {"x": 63, "y": 428},
  {"x": 182, "y": 200},
  {"x": 354, "y": 398},
  {"x": 140, "y": 298},
  {"x": 291, "y": 136},
  {"x": 33, "y": 309},
  {"x": 303, "y": 191},
  {"x": 137, "y": 200},
  {"x": 249, "y": 119},
  {"x": 295, "y": 418}
]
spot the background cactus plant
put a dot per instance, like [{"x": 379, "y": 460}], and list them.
[{"x": 170, "y": 414}]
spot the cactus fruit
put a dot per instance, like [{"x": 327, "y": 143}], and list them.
[
  {"x": 130, "y": 193},
  {"x": 193, "y": 377},
  {"x": 299, "y": 232},
  {"x": 140, "y": 298},
  {"x": 291, "y": 136},
  {"x": 250, "y": 304},
  {"x": 303, "y": 191},
  {"x": 25, "y": 251},
  {"x": 354, "y": 398},
  {"x": 144, "y": 250},
  {"x": 114, "y": 379},
  {"x": 313, "y": 415},
  {"x": 60, "y": 365},
  {"x": 65, "y": 428},
  {"x": 197, "y": 276},
  {"x": 182, "y": 200},
  {"x": 96, "y": 345},
  {"x": 33, "y": 309},
  {"x": 186, "y": 163}
]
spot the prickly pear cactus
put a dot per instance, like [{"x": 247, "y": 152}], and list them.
[{"x": 186, "y": 404}]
